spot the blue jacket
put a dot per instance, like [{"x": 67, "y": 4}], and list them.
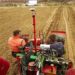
[{"x": 59, "y": 47}]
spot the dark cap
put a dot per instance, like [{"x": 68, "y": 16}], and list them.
[
  {"x": 52, "y": 37},
  {"x": 16, "y": 32}
]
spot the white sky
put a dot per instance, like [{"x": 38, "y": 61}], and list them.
[{"x": 32, "y": 2}]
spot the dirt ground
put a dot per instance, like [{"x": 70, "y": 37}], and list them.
[{"x": 48, "y": 18}]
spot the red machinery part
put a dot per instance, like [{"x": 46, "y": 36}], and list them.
[
  {"x": 28, "y": 48},
  {"x": 38, "y": 41},
  {"x": 34, "y": 25},
  {"x": 49, "y": 70},
  {"x": 32, "y": 70},
  {"x": 4, "y": 66},
  {"x": 59, "y": 33}
]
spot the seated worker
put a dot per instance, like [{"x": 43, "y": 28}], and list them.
[
  {"x": 4, "y": 66},
  {"x": 71, "y": 69},
  {"x": 15, "y": 42},
  {"x": 56, "y": 45}
]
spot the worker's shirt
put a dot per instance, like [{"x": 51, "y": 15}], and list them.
[
  {"x": 15, "y": 43},
  {"x": 70, "y": 71},
  {"x": 59, "y": 47}
]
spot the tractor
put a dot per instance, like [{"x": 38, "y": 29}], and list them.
[
  {"x": 43, "y": 60},
  {"x": 39, "y": 58}
]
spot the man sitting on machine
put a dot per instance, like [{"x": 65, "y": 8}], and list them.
[
  {"x": 57, "y": 45},
  {"x": 15, "y": 42}
]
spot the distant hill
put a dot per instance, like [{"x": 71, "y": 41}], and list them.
[
  {"x": 13, "y": 1},
  {"x": 24, "y": 1},
  {"x": 55, "y": 0}
]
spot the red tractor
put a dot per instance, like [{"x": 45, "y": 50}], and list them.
[{"x": 38, "y": 58}]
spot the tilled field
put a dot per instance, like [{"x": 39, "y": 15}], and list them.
[
  {"x": 71, "y": 31},
  {"x": 20, "y": 18},
  {"x": 49, "y": 18}
]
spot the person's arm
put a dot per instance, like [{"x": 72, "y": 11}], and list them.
[{"x": 23, "y": 43}]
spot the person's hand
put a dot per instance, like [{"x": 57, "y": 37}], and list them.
[
  {"x": 31, "y": 63},
  {"x": 33, "y": 51}
]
